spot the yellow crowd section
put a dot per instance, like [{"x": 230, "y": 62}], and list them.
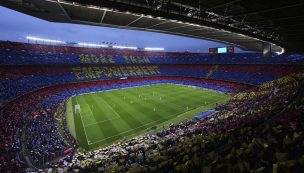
[
  {"x": 107, "y": 72},
  {"x": 109, "y": 59}
]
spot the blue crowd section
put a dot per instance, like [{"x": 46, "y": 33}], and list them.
[
  {"x": 242, "y": 77},
  {"x": 20, "y": 57},
  {"x": 51, "y": 101},
  {"x": 16, "y": 81},
  {"x": 205, "y": 114},
  {"x": 12, "y": 88}
]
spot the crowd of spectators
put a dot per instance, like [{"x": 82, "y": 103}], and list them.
[
  {"x": 256, "y": 138},
  {"x": 42, "y": 137},
  {"x": 51, "y": 134},
  {"x": 16, "y": 81},
  {"x": 32, "y": 119},
  {"x": 259, "y": 125},
  {"x": 20, "y": 73},
  {"x": 44, "y": 142},
  {"x": 29, "y": 54}
]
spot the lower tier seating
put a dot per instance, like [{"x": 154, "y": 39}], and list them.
[{"x": 18, "y": 80}]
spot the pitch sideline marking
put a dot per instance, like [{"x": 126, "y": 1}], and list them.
[
  {"x": 111, "y": 108},
  {"x": 117, "y": 117},
  {"x": 149, "y": 123},
  {"x": 85, "y": 132},
  {"x": 85, "y": 116},
  {"x": 111, "y": 119}
]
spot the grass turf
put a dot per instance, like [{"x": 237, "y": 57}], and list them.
[{"x": 110, "y": 116}]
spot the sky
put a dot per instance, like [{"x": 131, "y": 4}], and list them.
[{"x": 15, "y": 26}]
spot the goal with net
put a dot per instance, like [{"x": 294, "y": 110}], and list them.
[{"x": 77, "y": 109}]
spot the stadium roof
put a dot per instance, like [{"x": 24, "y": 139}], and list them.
[{"x": 242, "y": 23}]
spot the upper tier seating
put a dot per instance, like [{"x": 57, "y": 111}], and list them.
[
  {"x": 91, "y": 64},
  {"x": 28, "y": 54},
  {"x": 36, "y": 80}
]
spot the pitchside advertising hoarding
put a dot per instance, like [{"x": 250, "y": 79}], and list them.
[{"x": 228, "y": 49}]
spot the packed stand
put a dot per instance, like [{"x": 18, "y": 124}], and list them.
[
  {"x": 33, "y": 122},
  {"x": 32, "y": 96},
  {"x": 256, "y": 138},
  {"x": 29, "y": 54},
  {"x": 18, "y": 80}
]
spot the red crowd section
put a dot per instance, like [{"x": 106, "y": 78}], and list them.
[
  {"x": 13, "y": 72},
  {"x": 11, "y": 112}
]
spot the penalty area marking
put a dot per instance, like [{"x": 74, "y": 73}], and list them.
[
  {"x": 100, "y": 122},
  {"x": 178, "y": 114},
  {"x": 112, "y": 108},
  {"x": 111, "y": 119},
  {"x": 85, "y": 132}
]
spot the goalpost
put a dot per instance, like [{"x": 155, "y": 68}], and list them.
[{"x": 77, "y": 109}]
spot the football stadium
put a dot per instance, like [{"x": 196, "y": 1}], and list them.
[{"x": 158, "y": 86}]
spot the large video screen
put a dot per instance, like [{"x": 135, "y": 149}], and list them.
[
  {"x": 228, "y": 49},
  {"x": 222, "y": 50}
]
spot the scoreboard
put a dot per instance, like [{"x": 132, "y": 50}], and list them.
[{"x": 228, "y": 49}]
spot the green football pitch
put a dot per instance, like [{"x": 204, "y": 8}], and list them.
[{"x": 111, "y": 116}]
